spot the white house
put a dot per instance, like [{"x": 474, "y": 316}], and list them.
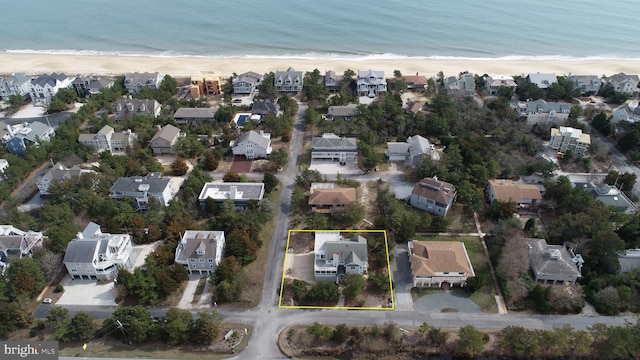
[
  {"x": 588, "y": 84},
  {"x": 16, "y": 84},
  {"x": 553, "y": 262},
  {"x": 94, "y": 255},
  {"x": 200, "y": 251},
  {"x": 333, "y": 147},
  {"x": 240, "y": 193},
  {"x": 412, "y": 152},
  {"x": 623, "y": 83},
  {"x": 44, "y": 87},
  {"x": 543, "y": 80},
  {"x": 627, "y": 112},
  {"x": 371, "y": 83},
  {"x": 336, "y": 256},
  {"x": 246, "y": 83},
  {"x": 433, "y": 196},
  {"x": 252, "y": 144},
  {"x": 17, "y": 244},
  {"x": 108, "y": 140}
]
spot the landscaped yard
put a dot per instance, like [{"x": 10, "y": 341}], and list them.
[{"x": 485, "y": 297}]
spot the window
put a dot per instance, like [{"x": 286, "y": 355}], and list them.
[
  {"x": 210, "y": 260},
  {"x": 74, "y": 270},
  {"x": 192, "y": 260},
  {"x": 201, "y": 260}
]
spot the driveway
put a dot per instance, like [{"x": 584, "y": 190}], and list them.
[
  {"x": 438, "y": 301},
  {"x": 301, "y": 266},
  {"x": 401, "y": 275},
  {"x": 86, "y": 292},
  {"x": 330, "y": 169}
]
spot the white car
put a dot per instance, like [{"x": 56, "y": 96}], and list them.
[{"x": 47, "y": 301}]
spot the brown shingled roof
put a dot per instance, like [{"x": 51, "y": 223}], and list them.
[
  {"x": 429, "y": 257},
  {"x": 507, "y": 190},
  {"x": 337, "y": 196},
  {"x": 436, "y": 190}
]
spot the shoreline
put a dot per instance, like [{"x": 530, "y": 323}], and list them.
[{"x": 191, "y": 66}]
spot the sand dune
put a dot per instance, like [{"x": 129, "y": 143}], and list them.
[{"x": 187, "y": 66}]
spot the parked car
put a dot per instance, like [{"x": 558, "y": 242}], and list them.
[{"x": 47, "y": 301}]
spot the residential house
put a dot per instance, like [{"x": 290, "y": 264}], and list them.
[
  {"x": 206, "y": 85},
  {"x": 194, "y": 116},
  {"x": 540, "y": 111},
  {"x": 332, "y": 81},
  {"x": 553, "y": 262},
  {"x": 252, "y": 144},
  {"x": 542, "y": 80},
  {"x": 200, "y": 251},
  {"x": 328, "y": 198},
  {"x": 16, "y": 84},
  {"x": 4, "y": 164},
  {"x": 333, "y": 147},
  {"x": 240, "y": 193},
  {"x": 521, "y": 194},
  {"x": 22, "y": 135},
  {"x": 627, "y": 112},
  {"x": 163, "y": 141},
  {"x": 371, "y": 83},
  {"x": 143, "y": 188},
  {"x": 288, "y": 81},
  {"x": 629, "y": 260},
  {"x": 17, "y": 244},
  {"x": 569, "y": 139},
  {"x": 88, "y": 86},
  {"x": 336, "y": 256},
  {"x": 439, "y": 262},
  {"x": 261, "y": 108},
  {"x": 246, "y": 83},
  {"x": 412, "y": 152},
  {"x": 125, "y": 109},
  {"x": 94, "y": 255},
  {"x": 44, "y": 87},
  {"x": 108, "y": 140},
  {"x": 464, "y": 85},
  {"x": 493, "y": 83},
  {"x": 588, "y": 84},
  {"x": 623, "y": 83},
  {"x": 415, "y": 107},
  {"x": 59, "y": 172},
  {"x": 344, "y": 112},
  {"x": 433, "y": 196},
  {"x": 415, "y": 82},
  {"x": 136, "y": 81},
  {"x": 608, "y": 195}
]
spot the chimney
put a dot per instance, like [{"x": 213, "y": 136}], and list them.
[
  {"x": 79, "y": 235},
  {"x": 336, "y": 258},
  {"x": 233, "y": 190}
]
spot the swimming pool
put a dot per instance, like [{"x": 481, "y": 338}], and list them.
[{"x": 241, "y": 119}]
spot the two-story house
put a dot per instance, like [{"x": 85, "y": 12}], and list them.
[
  {"x": 252, "y": 144},
  {"x": 493, "y": 83},
  {"x": 623, "y": 83},
  {"x": 341, "y": 112},
  {"x": 332, "y": 81},
  {"x": 17, "y": 244},
  {"x": 542, "y": 80},
  {"x": 412, "y": 152},
  {"x": 163, "y": 141},
  {"x": 240, "y": 193},
  {"x": 333, "y": 147},
  {"x": 328, "y": 198},
  {"x": 262, "y": 108},
  {"x": 136, "y": 81},
  {"x": 22, "y": 135},
  {"x": 553, "y": 262},
  {"x": 433, "y": 196},
  {"x": 336, "y": 256},
  {"x": 200, "y": 251},
  {"x": 288, "y": 81},
  {"x": 464, "y": 85},
  {"x": 505, "y": 190},
  {"x": 125, "y": 109},
  {"x": 540, "y": 111},
  {"x": 588, "y": 84},
  {"x": 627, "y": 112},
  {"x": 88, "y": 86},
  {"x": 143, "y": 188},
  {"x": 16, "y": 84},
  {"x": 108, "y": 140},
  {"x": 246, "y": 83},
  {"x": 439, "y": 262},
  {"x": 94, "y": 255},
  {"x": 59, "y": 172},
  {"x": 43, "y": 87},
  {"x": 194, "y": 116},
  {"x": 371, "y": 83},
  {"x": 415, "y": 82},
  {"x": 567, "y": 138}
]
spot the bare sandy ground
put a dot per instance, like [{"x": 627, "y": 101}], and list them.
[{"x": 187, "y": 66}]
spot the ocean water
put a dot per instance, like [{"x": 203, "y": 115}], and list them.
[{"x": 525, "y": 29}]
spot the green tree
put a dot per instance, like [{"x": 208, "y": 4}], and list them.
[
  {"x": 280, "y": 157},
  {"x": 353, "y": 285},
  {"x": 210, "y": 161},
  {"x": 299, "y": 288},
  {"x": 189, "y": 147},
  {"x": 25, "y": 277},
  {"x": 323, "y": 292},
  {"x": 9, "y": 318},
  {"x": 79, "y": 328},
  {"x": 320, "y": 331},
  {"x": 178, "y": 327},
  {"x": 470, "y": 340},
  {"x": 206, "y": 328},
  {"x": 438, "y": 337},
  {"x": 136, "y": 322},
  {"x": 231, "y": 176},
  {"x": 270, "y": 182}
]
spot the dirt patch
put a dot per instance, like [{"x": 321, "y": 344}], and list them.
[
  {"x": 301, "y": 242},
  {"x": 369, "y": 299},
  {"x": 241, "y": 165},
  {"x": 264, "y": 166}
]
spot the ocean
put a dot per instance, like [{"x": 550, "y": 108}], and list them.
[{"x": 392, "y": 29}]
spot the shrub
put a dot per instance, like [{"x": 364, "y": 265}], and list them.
[{"x": 58, "y": 289}]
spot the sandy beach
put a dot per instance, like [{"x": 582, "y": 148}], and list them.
[{"x": 188, "y": 66}]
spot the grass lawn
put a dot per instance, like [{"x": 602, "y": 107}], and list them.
[
  {"x": 461, "y": 220},
  {"x": 485, "y": 297}
]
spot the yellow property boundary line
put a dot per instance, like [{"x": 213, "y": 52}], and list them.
[{"x": 284, "y": 269}]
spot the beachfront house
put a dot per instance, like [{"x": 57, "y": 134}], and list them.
[
  {"x": 542, "y": 80},
  {"x": 371, "y": 83},
  {"x": 88, "y": 86},
  {"x": 125, "y": 109},
  {"x": 493, "y": 83},
  {"x": 540, "y": 111},
  {"x": 289, "y": 80},
  {"x": 433, "y": 196},
  {"x": 22, "y": 135},
  {"x": 336, "y": 256},
  {"x": 464, "y": 85},
  {"x": 163, "y": 141},
  {"x": 94, "y": 255},
  {"x": 246, "y": 83},
  {"x": 623, "y": 83},
  {"x": 108, "y": 140},
  {"x": 415, "y": 82},
  {"x": 44, "y": 87},
  {"x": 412, "y": 152},
  {"x": 333, "y": 147},
  {"x": 194, "y": 116},
  {"x": 200, "y": 251},
  {"x": 587, "y": 84},
  {"x": 252, "y": 145},
  {"x": 332, "y": 81},
  {"x": 136, "y": 81},
  {"x": 627, "y": 112},
  {"x": 239, "y": 193},
  {"x": 59, "y": 172},
  {"x": 205, "y": 85},
  {"x": 16, "y": 84},
  {"x": 439, "y": 263},
  {"x": 569, "y": 139},
  {"x": 143, "y": 188}
]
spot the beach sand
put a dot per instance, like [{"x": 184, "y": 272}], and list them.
[{"x": 188, "y": 66}]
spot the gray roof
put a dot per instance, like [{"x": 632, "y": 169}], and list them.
[
  {"x": 608, "y": 195},
  {"x": 419, "y": 145},
  {"x": 52, "y": 79},
  {"x": 398, "y": 147},
  {"x": 249, "y": 77},
  {"x": 156, "y": 182},
  {"x": 38, "y": 129},
  {"x": 168, "y": 132},
  {"x": 204, "y": 113},
  {"x": 346, "y": 110},
  {"x": 144, "y": 78},
  {"x": 333, "y": 141},
  {"x": 193, "y": 240},
  {"x": 551, "y": 260},
  {"x": 629, "y": 261},
  {"x": 619, "y": 77},
  {"x": 61, "y": 172},
  {"x": 17, "y": 79},
  {"x": 264, "y": 107},
  {"x": 353, "y": 250},
  {"x": 543, "y": 80},
  {"x": 290, "y": 75},
  {"x": 254, "y": 137},
  {"x": 546, "y": 106},
  {"x": 81, "y": 250}
]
